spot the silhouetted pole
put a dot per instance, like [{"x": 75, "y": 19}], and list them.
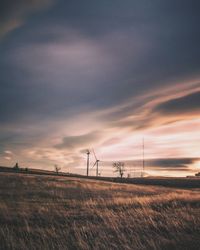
[
  {"x": 96, "y": 163},
  {"x": 143, "y": 156},
  {"x": 97, "y": 169},
  {"x": 88, "y": 161}
]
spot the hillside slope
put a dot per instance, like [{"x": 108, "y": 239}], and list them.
[{"x": 49, "y": 212}]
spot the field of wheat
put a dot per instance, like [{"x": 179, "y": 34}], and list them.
[{"x": 47, "y": 212}]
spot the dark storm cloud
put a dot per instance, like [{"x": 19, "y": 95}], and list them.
[
  {"x": 148, "y": 43},
  {"x": 79, "y": 141},
  {"x": 188, "y": 104}
]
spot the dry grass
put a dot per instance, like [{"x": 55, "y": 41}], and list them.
[{"x": 40, "y": 212}]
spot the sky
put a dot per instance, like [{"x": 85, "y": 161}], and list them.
[{"x": 102, "y": 75}]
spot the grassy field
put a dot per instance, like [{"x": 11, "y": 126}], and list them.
[{"x": 49, "y": 212}]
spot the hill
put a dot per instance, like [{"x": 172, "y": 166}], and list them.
[
  {"x": 178, "y": 182},
  {"x": 55, "y": 212}
]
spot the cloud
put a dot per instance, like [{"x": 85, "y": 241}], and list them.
[
  {"x": 100, "y": 65},
  {"x": 79, "y": 141},
  {"x": 178, "y": 103},
  {"x": 7, "y": 158},
  {"x": 8, "y": 152},
  {"x": 172, "y": 163},
  {"x": 111, "y": 63},
  {"x": 14, "y": 13},
  {"x": 168, "y": 164},
  {"x": 188, "y": 104}
]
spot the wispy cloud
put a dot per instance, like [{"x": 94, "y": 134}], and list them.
[
  {"x": 14, "y": 13},
  {"x": 79, "y": 141},
  {"x": 188, "y": 105}
]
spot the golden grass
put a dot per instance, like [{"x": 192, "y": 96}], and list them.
[{"x": 46, "y": 212}]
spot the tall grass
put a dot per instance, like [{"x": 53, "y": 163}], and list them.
[{"x": 40, "y": 212}]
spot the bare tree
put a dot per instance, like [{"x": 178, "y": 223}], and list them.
[
  {"x": 119, "y": 167},
  {"x": 57, "y": 169}
]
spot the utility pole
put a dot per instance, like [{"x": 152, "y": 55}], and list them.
[
  {"x": 88, "y": 161},
  {"x": 97, "y": 169}
]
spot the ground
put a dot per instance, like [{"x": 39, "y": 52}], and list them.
[{"x": 49, "y": 212}]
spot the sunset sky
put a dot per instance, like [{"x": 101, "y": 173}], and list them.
[{"x": 77, "y": 75}]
